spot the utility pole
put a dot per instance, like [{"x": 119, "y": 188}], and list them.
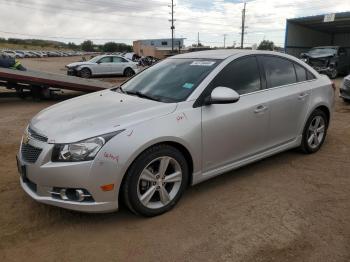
[
  {"x": 225, "y": 40},
  {"x": 172, "y": 25},
  {"x": 243, "y": 25},
  {"x": 198, "y": 40}
]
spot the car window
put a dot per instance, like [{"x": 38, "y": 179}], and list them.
[
  {"x": 279, "y": 71},
  {"x": 117, "y": 59},
  {"x": 301, "y": 72},
  {"x": 310, "y": 76},
  {"x": 106, "y": 59},
  {"x": 241, "y": 75}
]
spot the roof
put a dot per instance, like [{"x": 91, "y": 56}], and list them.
[
  {"x": 341, "y": 23},
  {"x": 221, "y": 53}
]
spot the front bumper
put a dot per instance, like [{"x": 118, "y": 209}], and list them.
[
  {"x": 72, "y": 72},
  {"x": 344, "y": 93},
  {"x": 42, "y": 177}
]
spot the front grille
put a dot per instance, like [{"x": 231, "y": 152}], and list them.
[
  {"x": 347, "y": 83},
  {"x": 36, "y": 136},
  {"x": 30, "y": 153},
  {"x": 318, "y": 62}
]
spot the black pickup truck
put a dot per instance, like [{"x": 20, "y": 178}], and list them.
[{"x": 329, "y": 60}]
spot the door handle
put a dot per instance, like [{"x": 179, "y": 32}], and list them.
[
  {"x": 302, "y": 96},
  {"x": 260, "y": 109}
]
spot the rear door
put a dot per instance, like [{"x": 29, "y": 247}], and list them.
[
  {"x": 232, "y": 132},
  {"x": 118, "y": 65},
  {"x": 289, "y": 98}
]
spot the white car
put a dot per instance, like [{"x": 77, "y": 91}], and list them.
[
  {"x": 184, "y": 120},
  {"x": 103, "y": 65}
]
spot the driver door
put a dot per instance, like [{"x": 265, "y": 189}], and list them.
[
  {"x": 103, "y": 66},
  {"x": 233, "y": 132}
]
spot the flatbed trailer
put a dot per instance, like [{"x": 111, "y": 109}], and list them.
[{"x": 40, "y": 82}]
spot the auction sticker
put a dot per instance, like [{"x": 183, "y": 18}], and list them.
[{"x": 202, "y": 63}]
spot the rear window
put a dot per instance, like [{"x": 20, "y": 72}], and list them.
[
  {"x": 301, "y": 73},
  {"x": 279, "y": 71}
]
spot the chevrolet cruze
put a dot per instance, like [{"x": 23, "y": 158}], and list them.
[{"x": 184, "y": 120}]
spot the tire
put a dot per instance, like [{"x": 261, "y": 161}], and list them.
[
  {"x": 85, "y": 73},
  {"x": 144, "y": 184},
  {"x": 315, "y": 132},
  {"x": 128, "y": 72}
]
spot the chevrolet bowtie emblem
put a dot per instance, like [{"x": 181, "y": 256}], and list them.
[{"x": 25, "y": 139}]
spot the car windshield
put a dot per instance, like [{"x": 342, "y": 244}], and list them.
[
  {"x": 323, "y": 51},
  {"x": 171, "y": 80},
  {"x": 95, "y": 59}
]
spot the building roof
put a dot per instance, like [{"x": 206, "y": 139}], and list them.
[
  {"x": 160, "y": 39},
  {"x": 341, "y": 23}
]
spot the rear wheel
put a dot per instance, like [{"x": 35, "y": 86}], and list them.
[
  {"x": 85, "y": 73},
  {"x": 155, "y": 181},
  {"x": 128, "y": 72},
  {"x": 314, "y": 132}
]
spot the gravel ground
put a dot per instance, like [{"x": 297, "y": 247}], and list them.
[{"x": 289, "y": 207}]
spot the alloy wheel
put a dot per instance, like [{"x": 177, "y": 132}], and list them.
[
  {"x": 159, "y": 182},
  {"x": 316, "y": 132}
]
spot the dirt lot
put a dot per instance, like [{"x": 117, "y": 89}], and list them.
[{"x": 290, "y": 207}]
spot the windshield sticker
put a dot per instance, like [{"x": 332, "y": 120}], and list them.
[
  {"x": 202, "y": 63},
  {"x": 188, "y": 85}
]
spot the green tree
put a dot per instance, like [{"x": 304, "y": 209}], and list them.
[
  {"x": 266, "y": 45},
  {"x": 87, "y": 46}
]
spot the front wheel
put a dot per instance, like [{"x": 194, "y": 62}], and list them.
[
  {"x": 314, "y": 132},
  {"x": 155, "y": 181},
  {"x": 85, "y": 73}
]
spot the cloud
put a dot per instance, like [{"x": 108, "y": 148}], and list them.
[{"x": 127, "y": 20}]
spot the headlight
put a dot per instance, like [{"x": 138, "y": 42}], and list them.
[{"x": 85, "y": 150}]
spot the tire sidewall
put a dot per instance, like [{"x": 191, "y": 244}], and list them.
[
  {"x": 85, "y": 70},
  {"x": 305, "y": 145},
  {"x": 135, "y": 172},
  {"x": 129, "y": 70}
]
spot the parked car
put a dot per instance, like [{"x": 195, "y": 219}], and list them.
[
  {"x": 329, "y": 60},
  {"x": 345, "y": 89},
  {"x": 13, "y": 54},
  {"x": 184, "y": 120},
  {"x": 103, "y": 65}
]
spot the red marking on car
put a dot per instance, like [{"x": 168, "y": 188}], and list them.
[
  {"x": 181, "y": 117},
  {"x": 132, "y": 131},
  {"x": 111, "y": 156}
]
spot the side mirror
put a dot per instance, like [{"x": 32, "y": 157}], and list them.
[
  {"x": 222, "y": 95},
  {"x": 98, "y": 62}
]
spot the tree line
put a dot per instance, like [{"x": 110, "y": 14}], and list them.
[{"x": 87, "y": 45}]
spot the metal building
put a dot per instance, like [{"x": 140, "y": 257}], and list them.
[{"x": 322, "y": 30}]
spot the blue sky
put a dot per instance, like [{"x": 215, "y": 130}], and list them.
[{"x": 128, "y": 20}]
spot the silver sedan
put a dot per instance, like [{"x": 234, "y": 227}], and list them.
[{"x": 184, "y": 120}]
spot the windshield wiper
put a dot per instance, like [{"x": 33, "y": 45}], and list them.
[{"x": 142, "y": 95}]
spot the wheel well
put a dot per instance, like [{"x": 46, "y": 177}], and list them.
[
  {"x": 127, "y": 69},
  {"x": 179, "y": 147},
  {"x": 325, "y": 110},
  {"x": 84, "y": 68}
]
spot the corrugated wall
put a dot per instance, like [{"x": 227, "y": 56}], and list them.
[{"x": 299, "y": 39}]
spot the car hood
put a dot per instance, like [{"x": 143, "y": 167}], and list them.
[
  {"x": 76, "y": 64},
  {"x": 95, "y": 114},
  {"x": 323, "y": 56}
]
